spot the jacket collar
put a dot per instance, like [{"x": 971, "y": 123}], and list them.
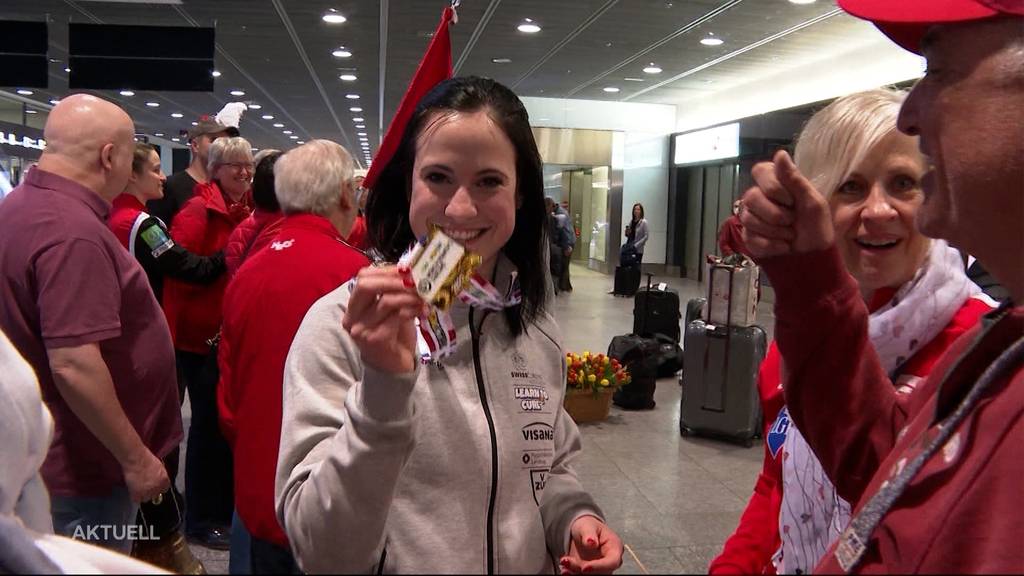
[
  {"x": 127, "y": 201},
  {"x": 310, "y": 222},
  {"x": 214, "y": 197},
  {"x": 39, "y": 178}
]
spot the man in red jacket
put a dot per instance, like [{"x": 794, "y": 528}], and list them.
[
  {"x": 936, "y": 474},
  {"x": 307, "y": 259}
]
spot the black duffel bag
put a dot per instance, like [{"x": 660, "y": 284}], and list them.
[{"x": 640, "y": 357}]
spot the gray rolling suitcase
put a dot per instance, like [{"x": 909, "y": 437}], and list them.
[{"x": 719, "y": 385}]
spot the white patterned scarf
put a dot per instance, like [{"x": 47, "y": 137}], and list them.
[{"x": 812, "y": 514}]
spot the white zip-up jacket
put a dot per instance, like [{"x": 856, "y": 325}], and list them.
[{"x": 462, "y": 467}]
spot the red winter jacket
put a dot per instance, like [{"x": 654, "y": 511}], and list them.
[
  {"x": 251, "y": 235},
  {"x": 307, "y": 260},
  {"x": 960, "y": 511},
  {"x": 203, "y": 227},
  {"x": 357, "y": 236},
  {"x": 756, "y": 539}
]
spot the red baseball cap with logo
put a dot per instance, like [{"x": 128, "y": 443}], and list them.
[{"x": 905, "y": 21}]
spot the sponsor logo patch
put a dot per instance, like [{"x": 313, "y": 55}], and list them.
[
  {"x": 531, "y": 398},
  {"x": 538, "y": 432},
  {"x": 777, "y": 433},
  {"x": 538, "y": 479}
]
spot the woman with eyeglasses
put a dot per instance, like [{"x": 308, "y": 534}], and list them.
[{"x": 193, "y": 312}]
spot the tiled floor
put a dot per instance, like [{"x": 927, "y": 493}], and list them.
[{"x": 673, "y": 500}]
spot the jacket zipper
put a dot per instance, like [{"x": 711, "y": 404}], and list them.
[
  {"x": 383, "y": 558},
  {"x": 494, "y": 440}
]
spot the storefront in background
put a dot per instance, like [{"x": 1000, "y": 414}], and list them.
[{"x": 20, "y": 147}]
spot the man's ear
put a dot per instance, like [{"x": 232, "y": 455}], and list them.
[
  {"x": 107, "y": 156},
  {"x": 346, "y": 198}
]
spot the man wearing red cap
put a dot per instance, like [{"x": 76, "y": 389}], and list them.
[{"x": 936, "y": 475}]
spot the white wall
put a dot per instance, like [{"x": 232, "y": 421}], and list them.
[
  {"x": 869, "y": 64},
  {"x": 645, "y": 180},
  {"x": 600, "y": 115}
]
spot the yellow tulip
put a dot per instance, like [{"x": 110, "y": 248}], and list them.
[
  {"x": 606, "y": 360},
  {"x": 591, "y": 378},
  {"x": 604, "y": 382}
]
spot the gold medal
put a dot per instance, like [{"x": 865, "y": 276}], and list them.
[{"x": 441, "y": 268}]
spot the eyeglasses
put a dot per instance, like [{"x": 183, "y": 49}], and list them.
[{"x": 239, "y": 166}]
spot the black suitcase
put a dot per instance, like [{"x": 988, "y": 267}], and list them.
[
  {"x": 656, "y": 312},
  {"x": 627, "y": 280},
  {"x": 640, "y": 356},
  {"x": 719, "y": 387}
]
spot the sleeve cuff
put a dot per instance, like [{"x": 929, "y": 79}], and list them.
[
  {"x": 802, "y": 279},
  {"x": 567, "y": 540},
  {"x": 386, "y": 397}
]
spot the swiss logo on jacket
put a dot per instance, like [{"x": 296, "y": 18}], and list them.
[{"x": 777, "y": 433}]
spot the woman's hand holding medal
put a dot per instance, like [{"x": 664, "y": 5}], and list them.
[{"x": 381, "y": 318}]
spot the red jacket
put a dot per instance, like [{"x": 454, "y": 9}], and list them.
[
  {"x": 751, "y": 547},
  {"x": 202, "y": 226},
  {"x": 124, "y": 211},
  {"x": 357, "y": 236},
  {"x": 730, "y": 237},
  {"x": 960, "y": 512},
  {"x": 307, "y": 260},
  {"x": 254, "y": 233}
]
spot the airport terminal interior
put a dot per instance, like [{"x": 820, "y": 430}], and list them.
[{"x": 663, "y": 103}]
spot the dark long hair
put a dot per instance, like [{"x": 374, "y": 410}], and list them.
[
  {"x": 632, "y": 214},
  {"x": 387, "y": 210},
  {"x": 264, "y": 194}
]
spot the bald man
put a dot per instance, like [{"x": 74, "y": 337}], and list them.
[{"x": 79, "y": 309}]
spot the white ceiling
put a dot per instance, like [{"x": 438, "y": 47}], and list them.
[{"x": 279, "y": 53}]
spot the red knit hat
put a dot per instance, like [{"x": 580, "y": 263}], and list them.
[
  {"x": 905, "y": 21},
  {"x": 434, "y": 68}
]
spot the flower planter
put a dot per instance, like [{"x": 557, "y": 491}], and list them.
[{"x": 585, "y": 406}]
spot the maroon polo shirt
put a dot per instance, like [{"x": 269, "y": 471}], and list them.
[{"x": 67, "y": 281}]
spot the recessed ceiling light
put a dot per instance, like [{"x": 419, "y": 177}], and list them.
[
  {"x": 24, "y": 92},
  {"x": 634, "y": 80},
  {"x": 348, "y": 77},
  {"x": 501, "y": 60},
  {"x": 802, "y": 1},
  {"x": 611, "y": 89},
  {"x": 341, "y": 53},
  {"x": 254, "y": 106},
  {"x": 652, "y": 69},
  {"x": 215, "y": 74},
  {"x": 360, "y": 126},
  {"x": 237, "y": 93},
  {"x": 333, "y": 17},
  {"x": 357, "y": 120},
  {"x": 67, "y": 69},
  {"x": 356, "y": 109},
  {"x": 278, "y": 125},
  {"x": 711, "y": 41},
  {"x": 153, "y": 104},
  {"x": 195, "y": 123},
  {"x": 286, "y": 132},
  {"x": 361, "y": 134},
  {"x": 31, "y": 112},
  {"x": 301, "y": 142},
  {"x": 177, "y": 115},
  {"x": 352, "y": 96},
  {"x": 54, "y": 101},
  {"x": 54, "y": 61},
  {"x": 294, "y": 137},
  {"x": 529, "y": 26},
  {"x": 175, "y": 139},
  {"x": 158, "y": 134},
  {"x": 126, "y": 93},
  {"x": 268, "y": 116}
]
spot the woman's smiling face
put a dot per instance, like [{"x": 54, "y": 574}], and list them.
[{"x": 464, "y": 182}]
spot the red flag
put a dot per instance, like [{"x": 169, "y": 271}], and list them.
[{"x": 434, "y": 68}]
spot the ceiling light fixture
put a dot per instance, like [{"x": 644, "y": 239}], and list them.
[
  {"x": 31, "y": 112},
  {"x": 652, "y": 69},
  {"x": 286, "y": 132},
  {"x": 802, "y": 1},
  {"x": 711, "y": 40},
  {"x": 360, "y": 126},
  {"x": 215, "y": 73},
  {"x": 158, "y": 134},
  {"x": 268, "y": 116},
  {"x": 153, "y": 104},
  {"x": 294, "y": 137},
  {"x": 195, "y": 123},
  {"x": 357, "y": 109},
  {"x": 177, "y": 115},
  {"x": 352, "y": 96},
  {"x": 278, "y": 125},
  {"x": 54, "y": 101},
  {"x": 237, "y": 93},
  {"x": 25, "y": 92},
  {"x": 126, "y": 93},
  {"x": 611, "y": 89},
  {"x": 341, "y": 53},
  {"x": 175, "y": 139},
  {"x": 501, "y": 60},
  {"x": 528, "y": 26},
  {"x": 301, "y": 142},
  {"x": 348, "y": 77},
  {"x": 255, "y": 107},
  {"x": 333, "y": 17},
  {"x": 634, "y": 80},
  {"x": 67, "y": 69},
  {"x": 360, "y": 133},
  {"x": 358, "y": 120}
]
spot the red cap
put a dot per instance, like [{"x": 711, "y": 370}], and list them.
[
  {"x": 434, "y": 68},
  {"x": 905, "y": 21}
]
